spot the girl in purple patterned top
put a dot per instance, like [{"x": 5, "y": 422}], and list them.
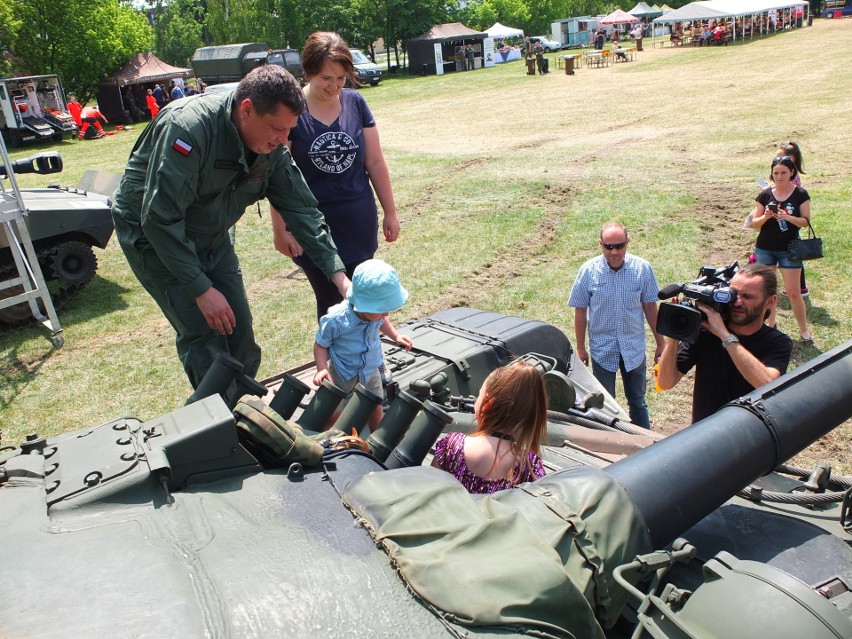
[{"x": 505, "y": 449}]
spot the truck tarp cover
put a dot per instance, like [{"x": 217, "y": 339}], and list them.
[
  {"x": 224, "y": 63},
  {"x": 538, "y": 557}
]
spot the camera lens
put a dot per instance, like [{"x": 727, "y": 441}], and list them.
[{"x": 679, "y": 321}]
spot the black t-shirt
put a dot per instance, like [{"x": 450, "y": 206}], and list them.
[
  {"x": 771, "y": 237},
  {"x": 717, "y": 380}
]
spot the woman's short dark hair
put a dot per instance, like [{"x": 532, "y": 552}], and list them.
[
  {"x": 322, "y": 46},
  {"x": 269, "y": 86},
  {"x": 783, "y": 160}
]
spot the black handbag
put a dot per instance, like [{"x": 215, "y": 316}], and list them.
[{"x": 809, "y": 248}]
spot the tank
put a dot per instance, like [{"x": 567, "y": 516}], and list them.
[
  {"x": 182, "y": 526},
  {"x": 65, "y": 224}
]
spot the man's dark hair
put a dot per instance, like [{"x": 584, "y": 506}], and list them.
[
  {"x": 269, "y": 86},
  {"x": 765, "y": 273}
]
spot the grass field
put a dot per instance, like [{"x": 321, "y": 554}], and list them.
[{"x": 502, "y": 181}]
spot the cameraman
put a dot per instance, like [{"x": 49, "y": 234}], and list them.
[{"x": 731, "y": 358}]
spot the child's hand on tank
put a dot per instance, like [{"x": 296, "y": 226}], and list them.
[
  {"x": 404, "y": 341},
  {"x": 321, "y": 375}
]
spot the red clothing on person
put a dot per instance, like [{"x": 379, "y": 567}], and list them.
[
  {"x": 75, "y": 109},
  {"x": 91, "y": 116},
  {"x": 153, "y": 107}
]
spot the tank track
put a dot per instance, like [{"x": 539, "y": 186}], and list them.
[{"x": 62, "y": 293}]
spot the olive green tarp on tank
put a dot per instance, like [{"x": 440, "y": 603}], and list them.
[{"x": 538, "y": 557}]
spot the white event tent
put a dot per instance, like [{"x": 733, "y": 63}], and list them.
[
  {"x": 498, "y": 30},
  {"x": 731, "y": 9}
]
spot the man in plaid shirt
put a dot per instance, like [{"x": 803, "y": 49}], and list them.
[{"x": 610, "y": 296}]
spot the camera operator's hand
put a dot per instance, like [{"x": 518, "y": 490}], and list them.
[{"x": 714, "y": 321}]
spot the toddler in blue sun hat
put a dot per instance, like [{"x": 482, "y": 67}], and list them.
[{"x": 348, "y": 348}]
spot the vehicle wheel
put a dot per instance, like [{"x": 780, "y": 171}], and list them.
[
  {"x": 19, "y": 313},
  {"x": 73, "y": 264},
  {"x": 57, "y": 137},
  {"x": 829, "y": 15},
  {"x": 15, "y": 138}
]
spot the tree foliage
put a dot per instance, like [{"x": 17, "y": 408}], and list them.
[
  {"x": 83, "y": 41},
  {"x": 178, "y": 28}
]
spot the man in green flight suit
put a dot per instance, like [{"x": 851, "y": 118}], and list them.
[{"x": 190, "y": 177}]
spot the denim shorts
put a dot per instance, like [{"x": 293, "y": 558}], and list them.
[{"x": 771, "y": 258}]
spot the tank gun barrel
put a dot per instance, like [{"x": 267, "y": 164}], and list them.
[
  {"x": 43, "y": 164},
  {"x": 683, "y": 478}
]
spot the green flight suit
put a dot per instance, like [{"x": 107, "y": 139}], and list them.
[{"x": 187, "y": 182}]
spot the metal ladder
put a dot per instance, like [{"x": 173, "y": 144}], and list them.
[{"x": 30, "y": 277}]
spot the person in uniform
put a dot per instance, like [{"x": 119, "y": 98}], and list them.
[
  {"x": 190, "y": 177},
  {"x": 92, "y": 116},
  {"x": 75, "y": 109}
]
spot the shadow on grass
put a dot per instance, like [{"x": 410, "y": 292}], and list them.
[
  {"x": 98, "y": 299},
  {"x": 818, "y": 317}
]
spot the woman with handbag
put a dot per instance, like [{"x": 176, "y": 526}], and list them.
[{"x": 781, "y": 210}]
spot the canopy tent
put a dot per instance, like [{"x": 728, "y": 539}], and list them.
[
  {"x": 665, "y": 8},
  {"x": 719, "y": 9},
  {"x": 421, "y": 49},
  {"x": 121, "y": 97},
  {"x": 618, "y": 17},
  {"x": 144, "y": 68},
  {"x": 743, "y": 11},
  {"x": 498, "y": 30},
  {"x": 642, "y": 10}
]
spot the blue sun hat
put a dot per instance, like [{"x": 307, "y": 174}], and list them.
[{"x": 376, "y": 288}]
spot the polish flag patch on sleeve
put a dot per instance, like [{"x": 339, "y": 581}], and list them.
[{"x": 184, "y": 148}]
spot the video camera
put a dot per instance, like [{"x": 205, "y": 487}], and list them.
[{"x": 681, "y": 320}]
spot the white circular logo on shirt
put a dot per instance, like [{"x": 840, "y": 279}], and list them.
[{"x": 333, "y": 152}]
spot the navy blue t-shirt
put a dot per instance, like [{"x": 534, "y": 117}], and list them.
[{"x": 332, "y": 160}]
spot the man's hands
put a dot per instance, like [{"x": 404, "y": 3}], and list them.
[
  {"x": 582, "y": 355},
  {"x": 714, "y": 321},
  {"x": 216, "y": 311}
]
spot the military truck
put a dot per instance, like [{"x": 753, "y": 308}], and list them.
[
  {"x": 231, "y": 62},
  {"x": 34, "y": 108}
]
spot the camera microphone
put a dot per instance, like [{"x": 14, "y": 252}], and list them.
[{"x": 670, "y": 291}]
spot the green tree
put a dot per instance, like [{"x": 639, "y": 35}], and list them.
[
  {"x": 83, "y": 41},
  {"x": 177, "y": 30},
  {"x": 9, "y": 26}
]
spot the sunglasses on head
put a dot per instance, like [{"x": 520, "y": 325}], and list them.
[{"x": 614, "y": 247}]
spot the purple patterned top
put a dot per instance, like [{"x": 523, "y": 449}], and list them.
[{"x": 449, "y": 456}]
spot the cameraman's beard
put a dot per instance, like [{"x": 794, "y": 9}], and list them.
[{"x": 750, "y": 316}]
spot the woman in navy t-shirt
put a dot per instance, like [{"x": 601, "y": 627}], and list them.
[{"x": 336, "y": 146}]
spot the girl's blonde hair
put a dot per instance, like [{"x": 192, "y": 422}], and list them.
[{"x": 515, "y": 405}]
